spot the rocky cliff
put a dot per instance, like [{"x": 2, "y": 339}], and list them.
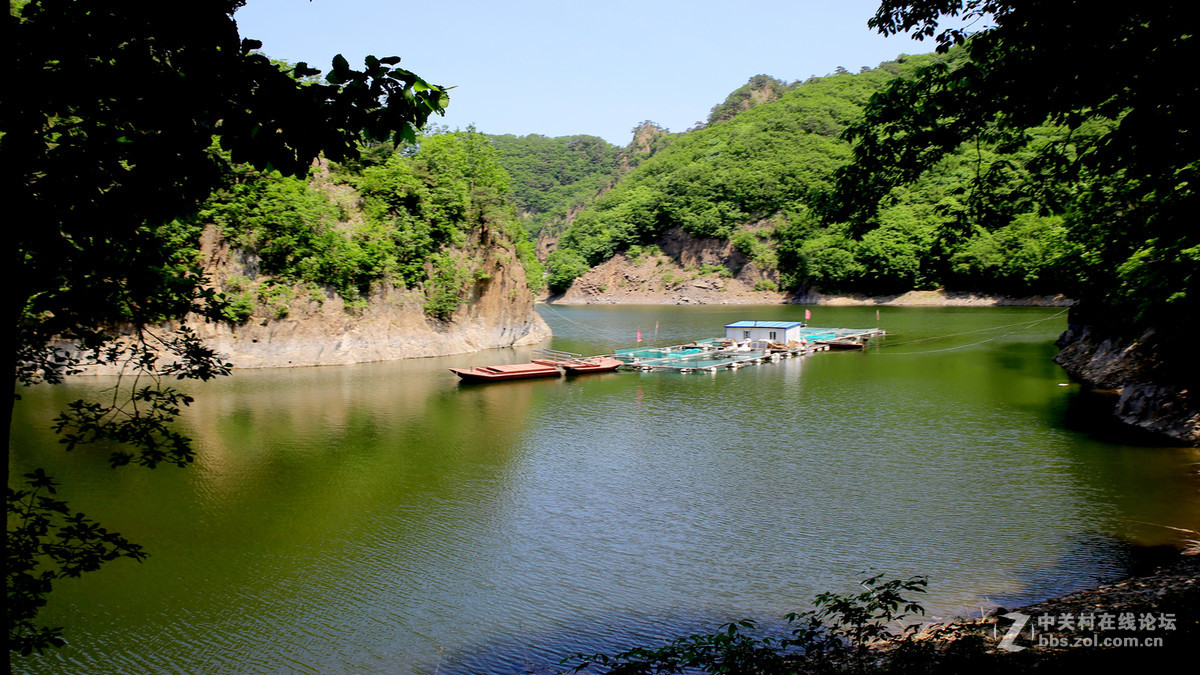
[
  {"x": 1154, "y": 394},
  {"x": 677, "y": 269},
  {"x": 319, "y": 329}
]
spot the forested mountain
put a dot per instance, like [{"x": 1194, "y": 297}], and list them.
[
  {"x": 764, "y": 177},
  {"x": 550, "y": 176},
  {"x": 551, "y": 179}
]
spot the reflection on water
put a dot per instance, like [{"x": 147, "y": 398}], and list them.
[{"x": 383, "y": 517}]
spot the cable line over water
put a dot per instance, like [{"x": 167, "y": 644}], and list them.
[{"x": 1022, "y": 324}]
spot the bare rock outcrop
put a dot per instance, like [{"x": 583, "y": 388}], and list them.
[
  {"x": 1152, "y": 397},
  {"x": 678, "y": 270},
  {"x": 497, "y": 312}
]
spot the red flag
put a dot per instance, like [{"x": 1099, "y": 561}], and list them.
[
  {"x": 639, "y": 335},
  {"x": 807, "y": 314}
]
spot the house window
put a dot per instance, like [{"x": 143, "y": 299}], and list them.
[
  {"x": 745, "y": 335},
  {"x": 772, "y": 334}
]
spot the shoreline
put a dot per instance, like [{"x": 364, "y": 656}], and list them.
[
  {"x": 1145, "y": 616},
  {"x": 934, "y": 298}
]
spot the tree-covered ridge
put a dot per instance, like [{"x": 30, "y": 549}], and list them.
[
  {"x": 982, "y": 218},
  {"x": 774, "y": 179},
  {"x": 413, "y": 210},
  {"x": 550, "y": 176},
  {"x": 714, "y": 181},
  {"x": 759, "y": 89}
]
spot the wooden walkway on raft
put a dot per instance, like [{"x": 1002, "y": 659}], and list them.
[{"x": 714, "y": 354}]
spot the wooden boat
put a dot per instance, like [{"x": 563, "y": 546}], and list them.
[
  {"x": 592, "y": 364},
  {"x": 841, "y": 344},
  {"x": 577, "y": 364},
  {"x": 518, "y": 371}
]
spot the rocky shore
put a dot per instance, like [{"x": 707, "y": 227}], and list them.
[
  {"x": 1148, "y": 393},
  {"x": 1148, "y": 620},
  {"x": 711, "y": 292},
  {"x": 497, "y": 311},
  {"x": 679, "y": 269}
]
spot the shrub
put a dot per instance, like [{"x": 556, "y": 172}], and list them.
[
  {"x": 446, "y": 286},
  {"x": 839, "y": 625},
  {"x": 240, "y": 307}
]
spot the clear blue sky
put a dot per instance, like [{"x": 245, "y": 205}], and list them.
[{"x": 559, "y": 68}]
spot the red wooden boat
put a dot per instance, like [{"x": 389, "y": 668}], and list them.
[
  {"x": 514, "y": 372},
  {"x": 592, "y": 364}
]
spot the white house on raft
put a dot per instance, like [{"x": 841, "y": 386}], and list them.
[{"x": 773, "y": 331}]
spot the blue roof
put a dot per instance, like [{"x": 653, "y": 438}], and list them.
[{"x": 764, "y": 324}]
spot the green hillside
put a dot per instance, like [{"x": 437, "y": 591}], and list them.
[
  {"x": 392, "y": 217},
  {"x": 765, "y": 178},
  {"x": 550, "y": 176}
]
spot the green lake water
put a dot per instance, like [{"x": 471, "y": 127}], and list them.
[{"x": 385, "y": 518}]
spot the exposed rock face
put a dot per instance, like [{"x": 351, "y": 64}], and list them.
[
  {"x": 758, "y": 90},
  {"x": 497, "y": 312},
  {"x": 645, "y": 143},
  {"x": 701, "y": 271},
  {"x": 689, "y": 270},
  {"x": 1152, "y": 396}
]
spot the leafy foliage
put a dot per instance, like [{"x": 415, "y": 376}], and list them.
[
  {"x": 989, "y": 167},
  {"x": 108, "y": 149},
  {"x": 446, "y": 287},
  {"x": 711, "y": 182},
  {"x": 1119, "y": 166},
  {"x": 293, "y": 230},
  {"x": 48, "y": 543},
  {"x": 838, "y": 626},
  {"x": 415, "y": 204},
  {"x": 552, "y": 176},
  {"x": 111, "y": 137},
  {"x": 853, "y": 620}
]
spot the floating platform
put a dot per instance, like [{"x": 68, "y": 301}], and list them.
[
  {"x": 714, "y": 354},
  {"x": 708, "y": 355}
]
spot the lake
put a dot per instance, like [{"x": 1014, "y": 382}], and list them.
[{"x": 386, "y": 518}]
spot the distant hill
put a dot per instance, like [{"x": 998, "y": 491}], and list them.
[
  {"x": 550, "y": 175},
  {"x": 761, "y": 175}
]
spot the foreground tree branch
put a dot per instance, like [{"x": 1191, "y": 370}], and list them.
[{"x": 109, "y": 137}]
